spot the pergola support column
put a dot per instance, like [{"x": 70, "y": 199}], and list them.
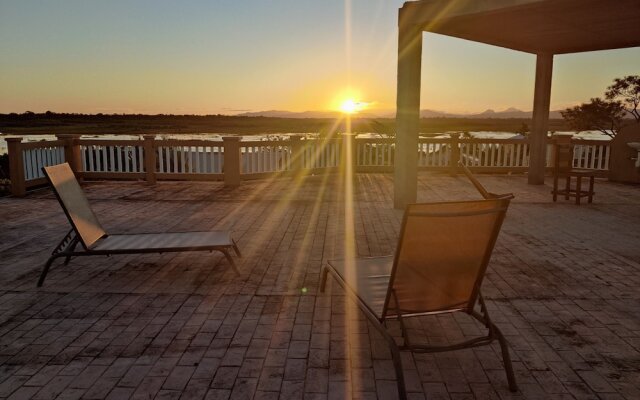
[
  {"x": 407, "y": 115},
  {"x": 540, "y": 123}
]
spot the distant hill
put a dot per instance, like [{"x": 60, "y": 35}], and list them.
[{"x": 426, "y": 113}]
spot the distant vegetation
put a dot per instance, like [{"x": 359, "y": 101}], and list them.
[
  {"x": 608, "y": 115},
  {"x": 135, "y": 124},
  {"x": 4, "y": 174}
]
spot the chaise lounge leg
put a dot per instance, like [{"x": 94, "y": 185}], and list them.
[
  {"x": 230, "y": 259},
  {"x": 45, "y": 270},
  {"x": 72, "y": 248},
  {"x": 236, "y": 249},
  {"x": 323, "y": 279},
  {"x": 508, "y": 367}
]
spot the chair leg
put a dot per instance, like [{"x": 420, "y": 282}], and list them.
[
  {"x": 396, "y": 358},
  {"x": 591, "y": 181},
  {"x": 323, "y": 278},
  {"x": 508, "y": 367},
  {"x": 397, "y": 365},
  {"x": 555, "y": 188},
  {"x": 578, "y": 189},
  {"x": 45, "y": 270},
  {"x": 395, "y": 351},
  {"x": 567, "y": 188}
]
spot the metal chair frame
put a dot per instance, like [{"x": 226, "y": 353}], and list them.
[{"x": 379, "y": 322}]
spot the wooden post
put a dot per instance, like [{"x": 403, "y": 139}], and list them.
[
  {"x": 297, "y": 153},
  {"x": 150, "y": 158},
  {"x": 540, "y": 124},
  {"x": 72, "y": 152},
  {"x": 16, "y": 166},
  {"x": 455, "y": 154},
  {"x": 408, "y": 114},
  {"x": 232, "y": 160}
]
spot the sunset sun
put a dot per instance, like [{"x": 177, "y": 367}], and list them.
[{"x": 351, "y": 106}]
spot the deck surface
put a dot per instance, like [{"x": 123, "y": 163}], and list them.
[{"x": 562, "y": 285}]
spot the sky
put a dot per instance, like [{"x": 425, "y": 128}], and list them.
[{"x": 230, "y": 56}]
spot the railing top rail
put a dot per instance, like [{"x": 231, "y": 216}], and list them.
[
  {"x": 375, "y": 140},
  {"x": 493, "y": 140},
  {"x": 187, "y": 142},
  {"x": 591, "y": 142},
  {"x": 110, "y": 142},
  {"x": 42, "y": 144},
  {"x": 322, "y": 139},
  {"x": 250, "y": 143},
  {"x": 434, "y": 140}
]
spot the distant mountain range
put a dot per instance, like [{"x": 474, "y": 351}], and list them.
[{"x": 508, "y": 113}]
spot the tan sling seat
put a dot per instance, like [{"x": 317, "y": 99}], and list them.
[
  {"x": 440, "y": 262},
  {"x": 87, "y": 230}
]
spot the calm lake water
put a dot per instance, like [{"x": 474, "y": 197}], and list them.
[{"x": 590, "y": 135}]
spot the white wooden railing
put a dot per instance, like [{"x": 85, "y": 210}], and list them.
[
  {"x": 374, "y": 152},
  {"x": 488, "y": 153},
  {"x": 592, "y": 154},
  {"x": 321, "y": 153},
  {"x": 195, "y": 157},
  {"x": 101, "y": 156},
  {"x": 259, "y": 157},
  {"x": 434, "y": 153},
  {"x": 233, "y": 160},
  {"x": 35, "y": 156}
]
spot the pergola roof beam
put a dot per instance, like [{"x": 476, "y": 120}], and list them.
[{"x": 542, "y": 26}]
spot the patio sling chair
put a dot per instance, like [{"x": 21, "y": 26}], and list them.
[
  {"x": 87, "y": 230},
  {"x": 438, "y": 267}
]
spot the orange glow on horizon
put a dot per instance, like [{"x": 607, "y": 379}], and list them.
[{"x": 351, "y": 106}]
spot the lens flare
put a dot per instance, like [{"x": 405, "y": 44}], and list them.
[{"x": 351, "y": 106}]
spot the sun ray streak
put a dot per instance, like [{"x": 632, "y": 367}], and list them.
[{"x": 347, "y": 174}]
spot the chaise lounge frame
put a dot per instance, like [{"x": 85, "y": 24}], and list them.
[{"x": 87, "y": 231}]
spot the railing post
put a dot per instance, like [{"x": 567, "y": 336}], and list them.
[
  {"x": 455, "y": 154},
  {"x": 72, "y": 152},
  {"x": 232, "y": 160},
  {"x": 150, "y": 158},
  {"x": 297, "y": 153},
  {"x": 16, "y": 166}
]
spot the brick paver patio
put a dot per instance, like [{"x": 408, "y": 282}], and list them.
[{"x": 563, "y": 287}]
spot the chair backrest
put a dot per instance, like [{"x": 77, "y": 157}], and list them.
[
  {"x": 563, "y": 155},
  {"x": 483, "y": 192},
  {"x": 74, "y": 203},
  {"x": 442, "y": 255}
]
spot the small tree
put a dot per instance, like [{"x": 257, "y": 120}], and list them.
[
  {"x": 600, "y": 115},
  {"x": 607, "y": 116},
  {"x": 627, "y": 91},
  {"x": 381, "y": 129}
]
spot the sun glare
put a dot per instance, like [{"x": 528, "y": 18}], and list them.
[{"x": 351, "y": 106}]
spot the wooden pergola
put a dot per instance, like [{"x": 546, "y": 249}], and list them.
[{"x": 540, "y": 27}]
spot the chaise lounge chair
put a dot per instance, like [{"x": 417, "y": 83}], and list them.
[
  {"x": 87, "y": 230},
  {"x": 438, "y": 267}
]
